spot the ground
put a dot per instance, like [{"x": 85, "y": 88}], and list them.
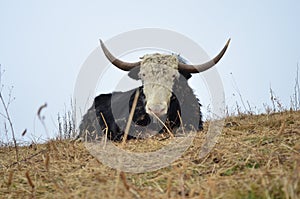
[{"x": 257, "y": 156}]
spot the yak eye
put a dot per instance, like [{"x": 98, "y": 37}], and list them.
[
  {"x": 142, "y": 74},
  {"x": 173, "y": 76}
]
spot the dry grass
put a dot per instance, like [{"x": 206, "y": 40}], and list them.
[{"x": 255, "y": 157}]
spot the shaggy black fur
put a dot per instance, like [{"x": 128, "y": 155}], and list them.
[{"x": 115, "y": 107}]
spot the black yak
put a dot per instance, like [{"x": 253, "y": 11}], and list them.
[{"x": 165, "y": 101}]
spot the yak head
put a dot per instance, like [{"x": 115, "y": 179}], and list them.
[{"x": 158, "y": 73}]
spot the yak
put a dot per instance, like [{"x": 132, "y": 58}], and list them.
[{"x": 164, "y": 102}]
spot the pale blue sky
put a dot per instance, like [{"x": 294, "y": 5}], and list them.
[{"x": 44, "y": 43}]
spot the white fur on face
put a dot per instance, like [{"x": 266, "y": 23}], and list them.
[{"x": 158, "y": 73}]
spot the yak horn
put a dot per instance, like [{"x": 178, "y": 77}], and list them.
[
  {"x": 126, "y": 66},
  {"x": 203, "y": 67}
]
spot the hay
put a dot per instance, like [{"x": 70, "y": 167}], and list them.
[{"x": 255, "y": 157}]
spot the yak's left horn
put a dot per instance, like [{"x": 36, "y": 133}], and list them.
[
  {"x": 126, "y": 66},
  {"x": 203, "y": 67}
]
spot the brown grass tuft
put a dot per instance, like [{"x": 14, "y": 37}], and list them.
[
  {"x": 10, "y": 179},
  {"x": 31, "y": 184}
]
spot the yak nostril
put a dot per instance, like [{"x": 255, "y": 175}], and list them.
[{"x": 157, "y": 109}]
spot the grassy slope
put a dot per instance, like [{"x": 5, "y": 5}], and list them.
[{"x": 256, "y": 157}]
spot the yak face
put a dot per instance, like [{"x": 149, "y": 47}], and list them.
[{"x": 158, "y": 73}]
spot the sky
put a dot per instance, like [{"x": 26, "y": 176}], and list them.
[{"x": 43, "y": 45}]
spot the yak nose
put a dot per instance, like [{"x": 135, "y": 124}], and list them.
[{"x": 157, "y": 109}]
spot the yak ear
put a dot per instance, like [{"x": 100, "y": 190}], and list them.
[
  {"x": 185, "y": 74},
  {"x": 134, "y": 73}
]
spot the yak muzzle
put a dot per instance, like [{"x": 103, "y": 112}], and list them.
[{"x": 157, "y": 109}]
